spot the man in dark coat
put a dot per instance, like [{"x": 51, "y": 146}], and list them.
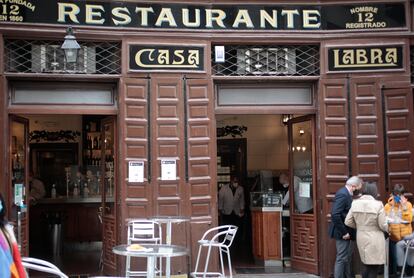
[{"x": 337, "y": 229}]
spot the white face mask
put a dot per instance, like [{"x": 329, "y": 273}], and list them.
[
  {"x": 235, "y": 184},
  {"x": 285, "y": 185}
]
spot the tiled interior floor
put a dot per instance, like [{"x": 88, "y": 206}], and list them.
[
  {"x": 244, "y": 263},
  {"x": 80, "y": 260}
]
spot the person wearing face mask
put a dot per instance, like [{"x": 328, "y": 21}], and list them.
[
  {"x": 399, "y": 215},
  {"x": 231, "y": 203},
  {"x": 367, "y": 216},
  {"x": 342, "y": 234},
  {"x": 302, "y": 204}
]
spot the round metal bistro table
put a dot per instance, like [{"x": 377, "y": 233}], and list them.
[
  {"x": 152, "y": 252},
  {"x": 169, "y": 220}
]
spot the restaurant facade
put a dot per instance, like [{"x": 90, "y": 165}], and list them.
[{"x": 152, "y": 85}]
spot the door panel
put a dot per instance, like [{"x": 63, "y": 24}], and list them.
[
  {"x": 399, "y": 142},
  {"x": 334, "y": 157},
  {"x": 303, "y": 223},
  {"x": 366, "y": 129},
  {"x": 18, "y": 151},
  {"x": 170, "y": 116},
  {"x": 108, "y": 189},
  {"x": 202, "y": 164}
]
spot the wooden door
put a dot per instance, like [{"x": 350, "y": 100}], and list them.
[
  {"x": 303, "y": 217},
  {"x": 19, "y": 174},
  {"x": 366, "y": 130},
  {"x": 170, "y": 116},
  {"x": 108, "y": 189}
]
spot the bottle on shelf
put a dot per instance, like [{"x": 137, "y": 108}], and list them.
[
  {"x": 85, "y": 190},
  {"x": 95, "y": 143},
  {"x": 99, "y": 142},
  {"x": 76, "y": 189},
  {"x": 98, "y": 182},
  {"x": 53, "y": 193}
]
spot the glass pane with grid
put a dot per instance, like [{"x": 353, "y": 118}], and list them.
[
  {"x": 38, "y": 56},
  {"x": 262, "y": 60}
]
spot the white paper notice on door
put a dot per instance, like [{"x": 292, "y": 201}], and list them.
[
  {"x": 136, "y": 171},
  {"x": 168, "y": 169},
  {"x": 304, "y": 189}
]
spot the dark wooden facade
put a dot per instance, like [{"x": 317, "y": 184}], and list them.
[{"x": 364, "y": 125}]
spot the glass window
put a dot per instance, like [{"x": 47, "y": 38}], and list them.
[
  {"x": 62, "y": 95},
  {"x": 301, "y": 148},
  {"x": 264, "y": 96}
]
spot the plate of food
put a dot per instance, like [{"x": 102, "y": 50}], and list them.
[{"x": 137, "y": 248}]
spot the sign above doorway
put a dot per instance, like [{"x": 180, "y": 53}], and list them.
[
  {"x": 385, "y": 57},
  {"x": 166, "y": 57}
]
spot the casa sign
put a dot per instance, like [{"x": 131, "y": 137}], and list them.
[
  {"x": 166, "y": 57},
  {"x": 127, "y": 14},
  {"x": 365, "y": 58}
]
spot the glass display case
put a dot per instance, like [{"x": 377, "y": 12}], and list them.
[{"x": 268, "y": 200}]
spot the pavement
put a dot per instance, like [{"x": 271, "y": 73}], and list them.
[{"x": 276, "y": 275}]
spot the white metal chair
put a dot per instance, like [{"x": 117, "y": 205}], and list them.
[
  {"x": 221, "y": 237},
  {"x": 409, "y": 246},
  {"x": 100, "y": 213},
  {"x": 42, "y": 266},
  {"x": 143, "y": 231}
]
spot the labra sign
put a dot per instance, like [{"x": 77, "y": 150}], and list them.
[
  {"x": 365, "y": 58},
  {"x": 178, "y": 58},
  {"x": 215, "y": 17}
]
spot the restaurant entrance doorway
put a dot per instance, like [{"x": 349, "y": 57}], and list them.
[
  {"x": 66, "y": 168},
  {"x": 264, "y": 155}
]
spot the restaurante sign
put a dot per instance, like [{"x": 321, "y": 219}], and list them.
[{"x": 225, "y": 17}]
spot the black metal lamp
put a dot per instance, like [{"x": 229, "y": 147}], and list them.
[
  {"x": 286, "y": 118},
  {"x": 70, "y": 46}
]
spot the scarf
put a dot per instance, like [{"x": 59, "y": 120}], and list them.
[{"x": 10, "y": 260}]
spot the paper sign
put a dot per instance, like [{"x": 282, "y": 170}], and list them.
[
  {"x": 304, "y": 189},
  {"x": 136, "y": 171},
  {"x": 219, "y": 54},
  {"x": 168, "y": 169},
  {"x": 18, "y": 194}
]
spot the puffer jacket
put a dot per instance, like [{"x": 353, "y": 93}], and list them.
[
  {"x": 367, "y": 216},
  {"x": 400, "y": 230}
]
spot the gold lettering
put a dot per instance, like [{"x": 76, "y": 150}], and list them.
[
  {"x": 265, "y": 17},
  {"x": 290, "y": 17},
  {"x": 67, "y": 9},
  {"x": 178, "y": 54},
  {"x": 391, "y": 55},
  {"x": 361, "y": 56},
  {"x": 186, "y": 18},
  {"x": 336, "y": 58},
  {"x": 194, "y": 57},
  {"x": 166, "y": 16},
  {"x": 376, "y": 56},
  {"x": 244, "y": 18},
  {"x": 144, "y": 14},
  {"x": 92, "y": 11},
  {"x": 138, "y": 59},
  {"x": 311, "y": 19},
  {"x": 163, "y": 57},
  {"x": 122, "y": 14},
  {"x": 348, "y": 57},
  {"x": 215, "y": 15}
]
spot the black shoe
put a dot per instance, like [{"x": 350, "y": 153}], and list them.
[{"x": 408, "y": 270}]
